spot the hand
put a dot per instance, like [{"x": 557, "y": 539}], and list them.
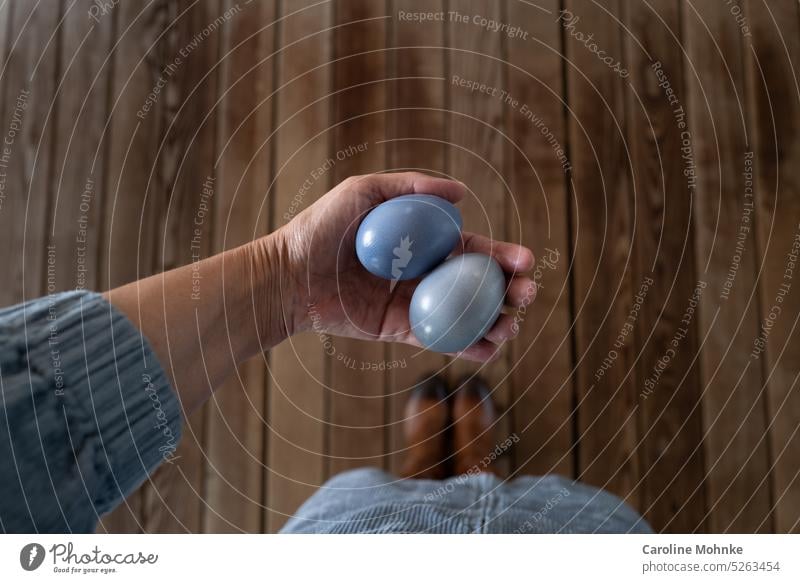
[{"x": 325, "y": 287}]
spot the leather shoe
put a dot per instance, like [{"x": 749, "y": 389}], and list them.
[
  {"x": 425, "y": 429},
  {"x": 474, "y": 422}
]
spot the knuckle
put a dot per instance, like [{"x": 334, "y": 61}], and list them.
[
  {"x": 369, "y": 183},
  {"x": 349, "y": 181},
  {"x": 362, "y": 181}
]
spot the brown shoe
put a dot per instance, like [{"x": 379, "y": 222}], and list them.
[
  {"x": 474, "y": 418},
  {"x": 424, "y": 428}
]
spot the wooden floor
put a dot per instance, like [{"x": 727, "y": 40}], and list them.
[{"x": 654, "y": 168}]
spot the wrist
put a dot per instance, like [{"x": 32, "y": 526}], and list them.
[{"x": 273, "y": 287}]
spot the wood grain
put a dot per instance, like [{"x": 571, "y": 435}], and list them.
[
  {"x": 5, "y": 48},
  {"x": 80, "y": 148},
  {"x": 602, "y": 240},
  {"x": 664, "y": 322},
  {"x": 736, "y": 456},
  {"x": 127, "y": 251},
  {"x": 538, "y": 217},
  {"x": 6, "y": 35},
  {"x": 185, "y": 181},
  {"x": 357, "y": 435},
  {"x": 236, "y": 425},
  {"x": 29, "y": 86},
  {"x": 298, "y": 367},
  {"x": 772, "y": 55}
]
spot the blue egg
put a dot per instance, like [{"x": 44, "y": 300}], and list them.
[
  {"x": 456, "y": 304},
  {"x": 405, "y": 237}
]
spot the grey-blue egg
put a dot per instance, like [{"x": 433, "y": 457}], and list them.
[
  {"x": 457, "y": 303},
  {"x": 405, "y": 237}
]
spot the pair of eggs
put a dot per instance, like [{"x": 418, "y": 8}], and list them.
[{"x": 459, "y": 299}]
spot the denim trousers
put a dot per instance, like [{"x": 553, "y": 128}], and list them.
[{"x": 369, "y": 500}]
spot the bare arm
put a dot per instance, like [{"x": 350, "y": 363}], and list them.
[{"x": 204, "y": 319}]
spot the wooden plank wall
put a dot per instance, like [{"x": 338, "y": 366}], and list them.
[
  {"x": 29, "y": 124},
  {"x": 661, "y": 196},
  {"x": 174, "y": 498},
  {"x": 537, "y": 214},
  {"x": 132, "y": 143},
  {"x": 736, "y": 459},
  {"x": 356, "y": 432},
  {"x": 771, "y": 57},
  {"x": 236, "y": 431},
  {"x": 603, "y": 264},
  {"x": 299, "y": 401},
  {"x": 5, "y": 39},
  {"x": 662, "y": 315}
]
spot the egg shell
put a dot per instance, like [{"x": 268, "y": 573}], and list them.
[
  {"x": 457, "y": 303},
  {"x": 407, "y": 236}
]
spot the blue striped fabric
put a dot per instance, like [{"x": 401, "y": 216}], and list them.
[
  {"x": 372, "y": 501},
  {"x": 86, "y": 412}
]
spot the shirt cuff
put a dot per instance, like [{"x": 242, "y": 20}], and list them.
[{"x": 95, "y": 381}]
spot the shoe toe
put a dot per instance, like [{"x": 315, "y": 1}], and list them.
[{"x": 432, "y": 387}]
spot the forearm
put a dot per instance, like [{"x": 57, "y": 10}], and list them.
[{"x": 204, "y": 319}]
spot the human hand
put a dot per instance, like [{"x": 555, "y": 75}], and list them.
[{"x": 326, "y": 288}]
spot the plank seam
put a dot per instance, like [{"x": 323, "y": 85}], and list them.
[{"x": 568, "y": 192}]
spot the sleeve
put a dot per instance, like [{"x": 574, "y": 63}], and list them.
[{"x": 87, "y": 412}]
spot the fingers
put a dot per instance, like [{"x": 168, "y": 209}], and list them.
[
  {"x": 512, "y": 258},
  {"x": 487, "y": 348},
  {"x": 482, "y": 351},
  {"x": 385, "y": 186},
  {"x": 504, "y": 329},
  {"x": 521, "y": 292}
]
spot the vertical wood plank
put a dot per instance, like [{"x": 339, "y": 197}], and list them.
[
  {"x": 127, "y": 252},
  {"x": 25, "y": 163},
  {"x": 772, "y": 55},
  {"x": 475, "y": 156},
  {"x": 5, "y": 48},
  {"x": 5, "y": 41},
  {"x": 662, "y": 319},
  {"x": 356, "y": 406},
  {"x": 236, "y": 425},
  {"x": 185, "y": 179},
  {"x": 541, "y": 356},
  {"x": 736, "y": 457},
  {"x": 297, "y": 369},
  {"x": 128, "y": 225},
  {"x": 416, "y": 142},
  {"x": 602, "y": 233},
  {"x": 6, "y": 35},
  {"x": 80, "y": 148}
]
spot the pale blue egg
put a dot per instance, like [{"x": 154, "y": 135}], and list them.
[
  {"x": 457, "y": 303},
  {"x": 405, "y": 237}
]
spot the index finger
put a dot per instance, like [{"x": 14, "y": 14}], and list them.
[{"x": 393, "y": 184}]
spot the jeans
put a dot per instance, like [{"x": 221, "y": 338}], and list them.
[{"x": 369, "y": 500}]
